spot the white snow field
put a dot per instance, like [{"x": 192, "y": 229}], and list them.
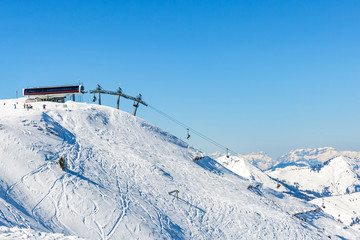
[
  {"x": 336, "y": 176},
  {"x": 345, "y": 208},
  {"x": 243, "y": 168},
  {"x": 120, "y": 172},
  {"x": 17, "y": 233},
  {"x": 260, "y": 159}
]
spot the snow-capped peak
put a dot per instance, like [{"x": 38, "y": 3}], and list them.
[
  {"x": 336, "y": 176},
  {"x": 312, "y": 156}
]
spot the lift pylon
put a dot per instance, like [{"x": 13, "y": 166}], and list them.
[
  {"x": 98, "y": 90},
  {"x": 120, "y": 93},
  {"x": 118, "y": 100},
  {"x": 136, "y": 103}
]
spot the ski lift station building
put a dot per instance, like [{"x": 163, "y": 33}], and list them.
[{"x": 54, "y": 93}]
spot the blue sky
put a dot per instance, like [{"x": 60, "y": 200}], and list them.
[{"x": 252, "y": 75}]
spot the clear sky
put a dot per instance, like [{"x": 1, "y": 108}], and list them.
[{"x": 252, "y": 75}]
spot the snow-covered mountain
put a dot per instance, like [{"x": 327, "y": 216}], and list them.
[
  {"x": 299, "y": 157},
  {"x": 345, "y": 208},
  {"x": 340, "y": 175},
  {"x": 312, "y": 157},
  {"x": 244, "y": 169},
  {"x": 260, "y": 160},
  {"x": 128, "y": 179}
]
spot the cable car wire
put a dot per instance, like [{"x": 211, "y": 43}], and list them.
[{"x": 192, "y": 130}]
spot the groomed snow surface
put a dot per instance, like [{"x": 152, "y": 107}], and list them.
[{"x": 120, "y": 172}]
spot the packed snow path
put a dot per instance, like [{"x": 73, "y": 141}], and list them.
[{"x": 120, "y": 170}]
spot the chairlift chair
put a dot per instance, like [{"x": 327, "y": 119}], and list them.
[{"x": 188, "y": 135}]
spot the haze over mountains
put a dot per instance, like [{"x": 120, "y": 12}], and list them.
[{"x": 128, "y": 179}]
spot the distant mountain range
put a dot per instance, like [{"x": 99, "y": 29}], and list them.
[
  {"x": 323, "y": 176},
  {"x": 300, "y": 157},
  {"x": 314, "y": 172}
]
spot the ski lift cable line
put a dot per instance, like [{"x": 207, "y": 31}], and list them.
[
  {"x": 192, "y": 130},
  {"x": 189, "y": 128},
  {"x": 339, "y": 207}
]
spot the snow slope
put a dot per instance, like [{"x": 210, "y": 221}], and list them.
[
  {"x": 17, "y": 233},
  {"x": 120, "y": 172},
  {"x": 337, "y": 176},
  {"x": 244, "y": 169},
  {"x": 344, "y": 208},
  {"x": 258, "y": 159}
]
